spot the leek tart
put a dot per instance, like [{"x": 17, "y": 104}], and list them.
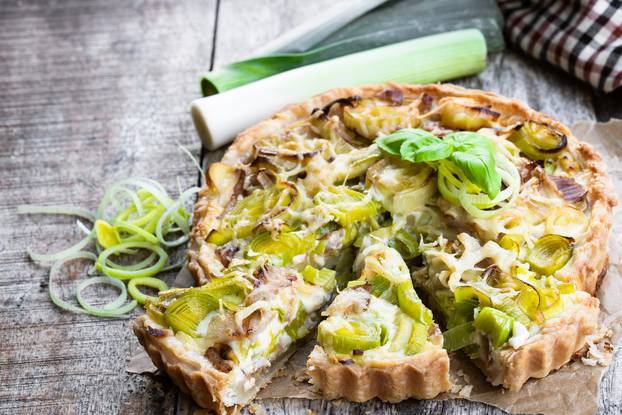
[
  {"x": 378, "y": 339},
  {"x": 514, "y": 323},
  {"x": 498, "y": 215}
]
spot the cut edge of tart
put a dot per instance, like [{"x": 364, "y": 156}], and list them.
[
  {"x": 513, "y": 324},
  {"x": 555, "y": 345},
  {"x": 378, "y": 340}
]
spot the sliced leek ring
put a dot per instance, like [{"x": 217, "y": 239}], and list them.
[
  {"x": 297, "y": 329},
  {"x": 496, "y": 324},
  {"x": 186, "y": 312},
  {"x": 345, "y": 335},
  {"x": 322, "y": 277},
  {"x": 418, "y": 339},
  {"x": 346, "y": 205},
  {"x": 539, "y": 141},
  {"x": 262, "y": 204},
  {"x": 282, "y": 247},
  {"x": 549, "y": 254}
]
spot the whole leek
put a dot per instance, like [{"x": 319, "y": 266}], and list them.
[{"x": 429, "y": 59}]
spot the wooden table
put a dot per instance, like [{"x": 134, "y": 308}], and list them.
[{"x": 95, "y": 91}]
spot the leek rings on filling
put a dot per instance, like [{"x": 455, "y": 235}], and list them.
[
  {"x": 282, "y": 247},
  {"x": 185, "y": 312},
  {"x": 347, "y": 335},
  {"x": 549, "y": 254},
  {"x": 539, "y": 141},
  {"x": 261, "y": 204}
]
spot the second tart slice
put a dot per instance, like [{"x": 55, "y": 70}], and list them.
[{"x": 378, "y": 339}]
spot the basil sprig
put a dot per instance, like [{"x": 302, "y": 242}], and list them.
[{"x": 472, "y": 153}]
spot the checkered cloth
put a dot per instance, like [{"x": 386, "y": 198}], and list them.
[{"x": 584, "y": 37}]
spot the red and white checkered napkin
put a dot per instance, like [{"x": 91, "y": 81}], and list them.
[{"x": 584, "y": 37}]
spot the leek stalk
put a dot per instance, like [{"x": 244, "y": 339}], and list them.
[
  {"x": 325, "y": 36},
  {"x": 429, "y": 59}
]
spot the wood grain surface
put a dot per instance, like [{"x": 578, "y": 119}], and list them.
[{"x": 95, "y": 91}]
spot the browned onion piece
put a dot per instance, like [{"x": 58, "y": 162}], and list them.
[
  {"x": 394, "y": 95},
  {"x": 341, "y": 101},
  {"x": 569, "y": 188}
]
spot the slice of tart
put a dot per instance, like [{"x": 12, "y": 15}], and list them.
[
  {"x": 378, "y": 339},
  {"x": 514, "y": 323}
]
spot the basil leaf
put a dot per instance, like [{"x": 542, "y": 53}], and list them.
[
  {"x": 391, "y": 143},
  {"x": 474, "y": 154},
  {"x": 420, "y": 150},
  {"x": 423, "y": 146}
]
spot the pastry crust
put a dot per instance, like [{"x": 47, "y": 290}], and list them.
[
  {"x": 549, "y": 350},
  {"x": 203, "y": 383},
  {"x": 590, "y": 258},
  {"x": 422, "y": 376}
]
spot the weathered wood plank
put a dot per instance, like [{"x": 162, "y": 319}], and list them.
[
  {"x": 91, "y": 92},
  {"x": 94, "y": 91}
]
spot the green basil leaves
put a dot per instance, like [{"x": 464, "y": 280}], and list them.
[{"x": 472, "y": 153}]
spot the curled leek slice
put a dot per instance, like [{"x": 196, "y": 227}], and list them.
[
  {"x": 458, "y": 190},
  {"x": 322, "y": 277},
  {"x": 496, "y": 324},
  {"x": 344, "y": 336},
  {"x": 410, "y": 303},
  {"x": 549, "y": 254},
  {"x": 511, "y": 242},
  {"x": 403, "y": 332},
  {"x": 465, "y": 293},
  {"x": 105, "y": 311},
  {"x": 114, "y": 270},
  {"x": 132, "y": 288},
  {"x": 539, "y": 141},
  {"x": 406, "y": 244}
]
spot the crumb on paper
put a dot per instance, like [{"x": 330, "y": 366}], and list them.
[
  {"x": 465, "y": 391},
  {"x": 599, "y": 349},
  {"x": 257, "y": 409}
]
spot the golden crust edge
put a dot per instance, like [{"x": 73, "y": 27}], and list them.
[
  {"x": 559, "y": 339},
  {"x": 203, "y": 384},
  {"x": 590, "y": 259},
  {"x": 187, "y": 374},
  {"x": 422, "y": 376}
]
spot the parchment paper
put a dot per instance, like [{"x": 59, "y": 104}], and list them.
[{"x": 570, "y": 390}]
